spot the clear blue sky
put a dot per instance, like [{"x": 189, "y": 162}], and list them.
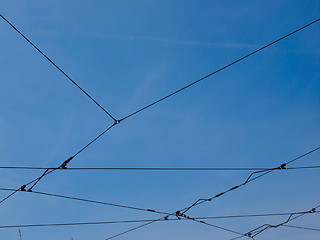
[{"x": 259, "y": 113}]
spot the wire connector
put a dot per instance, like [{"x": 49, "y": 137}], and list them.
[
  {"x": 313, "y": 210},
  {"x": 282, "y": 166},
  {"x": 64, "y": 164},
  {"x": 23, "y": 188},
  {"x": 117, "y": 121}
]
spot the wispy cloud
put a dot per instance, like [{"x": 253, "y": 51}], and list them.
[{"x": 189, "y": 42}]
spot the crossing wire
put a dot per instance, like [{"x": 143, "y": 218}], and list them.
[
  {"x": 49, "y": 171},
  {"x": 253, "y": 233},
  {"x": 134, "y": 113},
  {"x": 147, "y": 220},
  {"x": 181, "y": 213}
]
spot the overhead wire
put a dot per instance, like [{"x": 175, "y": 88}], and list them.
[
  {"x": 220, "y": 69},
  {"x": 253, "y": 233},
  {"x": 86, "y": 200},
  {"x": 157, "y": 168},
  {"x": 50, "y": 170},
  {"x": 56, "y": 66},
  {"x": 299, "y": 227},
  {"x": 141, "y": 109},
  {"x": 146, "y": 220},
  {"x": 118, "y": 121},
  {"x": 181, "y": 213}
]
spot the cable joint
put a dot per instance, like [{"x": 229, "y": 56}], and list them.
[
  {"x": 64, "y": 164},
  {"x": 117, "y": 121},
  {"x": 282, "y": 166}
]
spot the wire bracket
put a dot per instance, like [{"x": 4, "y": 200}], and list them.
[{"x": 64, "y": 164}]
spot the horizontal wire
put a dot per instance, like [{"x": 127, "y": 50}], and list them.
[
  {"x": 62, "y": 166},
  {"x": 56, "y": 66},
  {"x": 253, "y": 233},
  {"x": 155, "y": 168},
  {"x": 145, "y": 220},
  {"x": 200, "y": 201}
]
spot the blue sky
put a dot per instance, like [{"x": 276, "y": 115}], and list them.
[{"x": 258, "y": 113}]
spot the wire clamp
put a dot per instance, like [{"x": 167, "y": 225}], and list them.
[
  {"x": 249, "y": 234},
  {"x": 23, "y": 188},
  {"x": 283, "y": 166},
  {"x": 116, "y": 121},
  {"x": 64, "y": 164},
  {"x": 313, "y": 210}
]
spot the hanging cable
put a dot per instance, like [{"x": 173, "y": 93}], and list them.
[
  {"x": 181, "y": 213},
  {"x": 86, "y": 200},
  {"x": 49, "y": 171},
  {"x": 253, "y": 233},
  {"x": 299, "y": 227},
  {"x": 56, "y": 66},
  {"x": 147, "y": 220},
  {"x": 219, "y": 70}
]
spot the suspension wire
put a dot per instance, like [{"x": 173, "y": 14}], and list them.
[
  {"x": 299, "y": 227},
  {"x": 155, "y": 168},
  {"x": 248, "y": 180},
  {"x": 57, "y": 67},
  {"x": 181, "y": 213},
  {"x": 50, "y": 170},
  {"x": 226, "y": 66},
  {"x": 253, "y": 233},
  {"x": 177, "y": 91},
  {"x": 147, "y": 220},
  {"x": 118, "y": 121},
  {"x": 85, "y": 200}
]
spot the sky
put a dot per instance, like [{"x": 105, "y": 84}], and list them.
[{"x": 260, "y": 112}]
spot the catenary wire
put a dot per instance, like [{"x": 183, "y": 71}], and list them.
[
  {"x": 145, "y": 220},
  {"x": 253, "y": 233},
  {"x": 299, "y": 227},
  {"x": 156, "y": 168},
  {"x": 219, "y": 70},
  {"x": 181, "y": 213},
  {"x": 56, "y": 66},
  {"x": 62, "y": 166},
  {"x": 118, "y": 121},
  {"x": 86, "y": 200}
]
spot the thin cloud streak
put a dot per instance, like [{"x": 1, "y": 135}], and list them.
[{"x": 190, "y": 42}]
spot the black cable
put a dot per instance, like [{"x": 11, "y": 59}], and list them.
[
  {"x": 249, "y": 179},
  {"x": 50, "y": 170},
  {"x": 234, "y": 62},
  {"x": 143, "y": 220},
  {"x": 306, "y": 228},
  {"x": 181, "y": 213},
  {"x": 156, "y": 168},
  {"x": 253, "y": 233},
  {"x": 86, "y": 200},
  {"x": 66, "y": 75}
]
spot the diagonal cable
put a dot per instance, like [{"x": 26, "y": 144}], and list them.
[
  {"x": 85, "y": 200},
  {"x": 253, "y": 233},
  {"x": 181, "y": 213},
  {"x": 56, "y": 66},
  {"x": 220, "y": 69},
  {"x": 62, "y": 166}
]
